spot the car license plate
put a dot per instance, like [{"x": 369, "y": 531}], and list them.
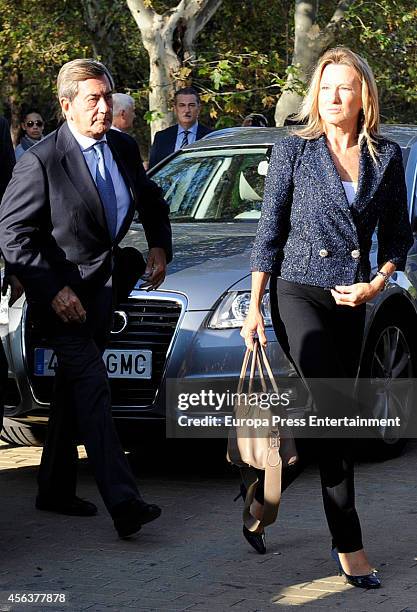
[{"x": 119, "y": 364}]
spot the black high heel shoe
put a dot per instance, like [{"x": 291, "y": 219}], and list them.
[
  {"x": 256, "y": 540},
  {"x": 368, "y": 581}
]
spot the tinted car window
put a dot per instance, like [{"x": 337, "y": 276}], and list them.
[{"x": 224, "y": 185}]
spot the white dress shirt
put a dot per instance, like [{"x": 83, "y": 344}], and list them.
[
  {"x": 122, "y": 192},
  {"x": 192, "y": 135}
]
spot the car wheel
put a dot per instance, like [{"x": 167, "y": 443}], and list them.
[
  {"x": 22, "y": 434},
  {"x": 388, "y": 358}
]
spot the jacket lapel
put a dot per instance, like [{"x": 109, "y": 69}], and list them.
[
  {"x": 370, "y": 174},
  {"x": 318, "y": 161},
  {"x": 171, "y": 140},
  {"x": 129, "y": 180},
  {"x": 73, "y": 162},
  {"x": 200, "y": 132}
]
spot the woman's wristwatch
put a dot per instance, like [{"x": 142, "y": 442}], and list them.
[{"x": 385, "y": 276}]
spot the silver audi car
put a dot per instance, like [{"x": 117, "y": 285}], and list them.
[{"x": 189, "y": 328}]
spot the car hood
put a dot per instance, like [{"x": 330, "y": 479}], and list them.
[{"x": 208, "y": 259}]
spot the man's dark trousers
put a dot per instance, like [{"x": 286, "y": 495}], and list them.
[{"x": 81, "y": 408}]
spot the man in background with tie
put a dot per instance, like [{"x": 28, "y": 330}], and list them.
[
  {"x": 187, "y": 107},
  {"x": 70, "y": 202}
]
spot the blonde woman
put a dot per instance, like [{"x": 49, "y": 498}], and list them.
[{"x": 328, "y": 186}]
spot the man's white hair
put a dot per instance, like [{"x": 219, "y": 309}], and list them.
[{"x": 122, "y": 101}]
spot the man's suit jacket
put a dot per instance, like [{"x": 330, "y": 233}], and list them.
[
  {"x": 164, "y": 142},
  {"x": 53, "y": 230},
  {"x": 7, "y": 161},
  {"x": 309, "y": 233},
  {"x": 6, "y": 155}
]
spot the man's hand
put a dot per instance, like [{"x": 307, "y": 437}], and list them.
[
  {"x": 68, "y": 307},
  {"x": 359, "y": 293},
  {"x": 154, "y": 274},
  {"x": 16, "y": 288}
]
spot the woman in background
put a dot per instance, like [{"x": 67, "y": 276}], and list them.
[{"x": 32, "y": 126}]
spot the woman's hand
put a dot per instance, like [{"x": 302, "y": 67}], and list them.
[
  {"x": 359, "y": 293},
  {"x": 254, "y": 324}
]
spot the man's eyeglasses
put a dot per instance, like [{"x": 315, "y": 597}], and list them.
[{"x": 38, "y": 123}]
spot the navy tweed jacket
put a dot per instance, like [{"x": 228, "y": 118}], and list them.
[{"x": 308, "y": 233}]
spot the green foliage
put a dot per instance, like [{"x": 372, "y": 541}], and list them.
[
  {"x": 236, "y": 84},
  {"x": 384, "y": 32},
  {"x": 242, "y": 57},
  {"x": 35, "y": 39},
  {"x": 151, "y": 115}
]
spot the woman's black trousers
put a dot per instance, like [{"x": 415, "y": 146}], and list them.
[{"x": 324, "y": 341}]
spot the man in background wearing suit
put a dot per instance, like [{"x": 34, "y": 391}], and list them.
[
  {"x": 187, "y": 106},
  {"x": 123, "y": 112},
  {"x": 69, "y": 204}
]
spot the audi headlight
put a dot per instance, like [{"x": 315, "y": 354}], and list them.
[{"x": 233, "y": 308}]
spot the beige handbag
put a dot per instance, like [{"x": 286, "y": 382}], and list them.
[{"x": 264, "y": 448}]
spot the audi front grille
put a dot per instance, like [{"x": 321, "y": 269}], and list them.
[{"x": 141, "y": 323}]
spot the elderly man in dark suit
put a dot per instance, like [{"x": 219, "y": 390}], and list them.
[
  {"x": 187, "y": 106},
  {"x": 69, "y": 204},
  {"x": 6, "y": 168}
]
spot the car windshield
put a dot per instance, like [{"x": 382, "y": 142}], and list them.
[{"x": 220, "y": 186}]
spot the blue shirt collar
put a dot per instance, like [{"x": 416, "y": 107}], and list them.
[{"x": 192, "y": 130}]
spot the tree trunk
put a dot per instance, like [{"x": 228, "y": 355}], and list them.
[
  {"x": 309, "y": 43},
  {"x": 14, "y": 104},
  {"x": 164, "y": 65},
  {"x": 101, "y": 24},
  {"x": 168, "y": 39}
]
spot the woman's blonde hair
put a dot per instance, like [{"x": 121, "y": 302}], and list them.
[{"x": 368, "y": 126}]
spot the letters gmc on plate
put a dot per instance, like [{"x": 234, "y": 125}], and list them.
[{"x": 119, "y": 364}]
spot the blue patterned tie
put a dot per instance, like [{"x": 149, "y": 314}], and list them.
[
  {"x": 185, "y": 138},
  {"x": 106, "y": 189}
]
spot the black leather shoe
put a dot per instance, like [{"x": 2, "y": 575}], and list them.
[
  {"x": 72, "y": 507},
  {"x": 256, "y": 540},
  {"x": 129, "y": 516}
]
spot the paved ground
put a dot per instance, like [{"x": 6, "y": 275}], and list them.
[{"x": 194, "y": 557}]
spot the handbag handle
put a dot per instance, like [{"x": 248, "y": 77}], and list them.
[
  {"x": 268, "y": 368},
  {"x": 259, "y": 359},
  {"x": 243, "y": 370}
]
